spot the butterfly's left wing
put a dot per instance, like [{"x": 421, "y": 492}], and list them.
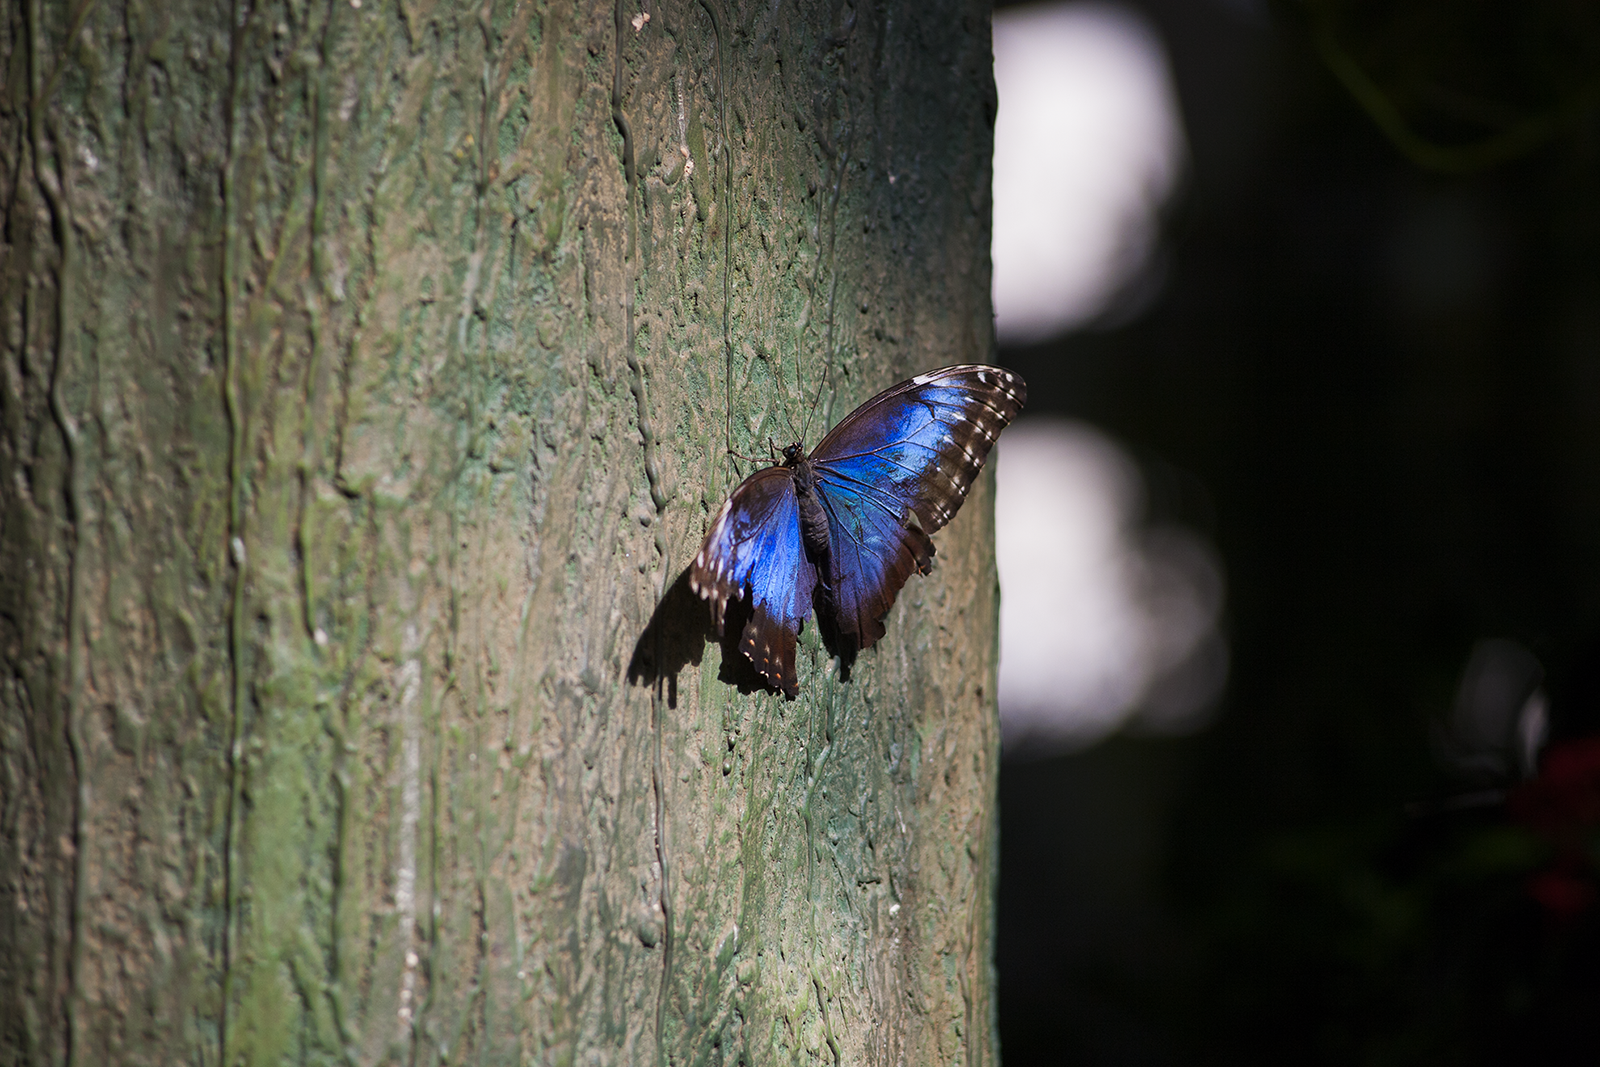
[
  {"x": 915, "y": 448},
  {"x": 754, "y": 549}
]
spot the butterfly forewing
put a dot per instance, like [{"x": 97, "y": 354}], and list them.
[
  {"x": 915, "y": 448},
  {"x": 920, "y": 444},
  {"x": 754, "y": 544}
]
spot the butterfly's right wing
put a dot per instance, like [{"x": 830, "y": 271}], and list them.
[
  {"x": 754, "y": 549},
  {"x": 915, "y": 448},
  {"x": 918, "y": 446}
]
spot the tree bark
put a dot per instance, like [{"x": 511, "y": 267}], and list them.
[{"x": 369, "y": 373}]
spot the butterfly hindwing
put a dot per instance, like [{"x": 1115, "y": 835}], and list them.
[
  {"x": 872, "y": 553},
  {"x": 754, "y": 547},
  {"x": 915, "y": 448}
]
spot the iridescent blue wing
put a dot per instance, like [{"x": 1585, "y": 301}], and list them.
[
  {"x": 754, "y": 550},
  {"x": 914, "y": 449},
  {"x": 872, "y": 553}
]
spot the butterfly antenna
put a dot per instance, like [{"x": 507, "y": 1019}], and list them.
[
  {"x": 822, "y": 385},
  {"x": 799, "y": 384},
  {"x": 833, "y": 282},
  {"x": 727, "y": 230},
  {"x": 788, "y": 420},
  {"x": 805, "y": 427},
  {"x": 782, "y": 393},
  {"x": 800, "y": 388}
]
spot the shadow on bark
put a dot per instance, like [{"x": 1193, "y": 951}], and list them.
[
  {"x": 680, "y": 628},
  {"x": 676, "y": 637}
]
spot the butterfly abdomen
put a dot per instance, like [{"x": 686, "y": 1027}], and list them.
[{"x": 814, "y": 529}]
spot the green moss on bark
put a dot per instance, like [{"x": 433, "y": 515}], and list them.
[{"x": 357, "y": 414}]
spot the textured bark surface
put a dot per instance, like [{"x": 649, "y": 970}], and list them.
[{"x": 366, "y": 392}]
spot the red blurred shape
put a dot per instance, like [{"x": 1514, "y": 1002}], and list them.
[
  {"x": 1565, "y": 797},
  {"x": 1564, "y": 895},
  {"x": 1563, "y": 805}
]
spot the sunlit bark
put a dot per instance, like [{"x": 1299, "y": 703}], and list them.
[{"x": 366, "y": 392}]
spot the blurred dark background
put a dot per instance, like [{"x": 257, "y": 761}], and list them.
[{"x": 1371, "y": 375}]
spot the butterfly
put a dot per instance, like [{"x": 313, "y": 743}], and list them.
[{"x": 834, "y": 528}]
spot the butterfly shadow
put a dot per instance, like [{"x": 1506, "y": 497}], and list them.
[
  {"x": 676, "y": 637},
  {"x": 679, "y": 630}
]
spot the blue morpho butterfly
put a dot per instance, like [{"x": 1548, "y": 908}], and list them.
[{"x": 833, "y": 528}]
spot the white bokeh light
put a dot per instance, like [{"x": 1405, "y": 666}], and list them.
[
  {"x": 1102, "y": 618},
  {"x": 1088, "y": 144}
]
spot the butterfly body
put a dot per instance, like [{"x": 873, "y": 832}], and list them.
[
  {"x": 842, "y": 528},
  {"x": 814, "y": 528}
]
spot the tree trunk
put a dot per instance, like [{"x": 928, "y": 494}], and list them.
[{"x": 369, "y": 371}]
